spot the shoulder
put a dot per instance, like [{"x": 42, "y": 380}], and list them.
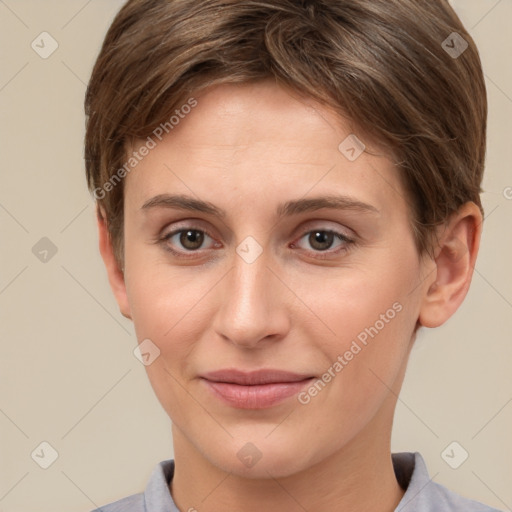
[
  {"x": 424, "y": 495},
  {"x": 444, "y": 499},
  {"x": 156, "y": 496},
  {"x": 133, "y": 503}
]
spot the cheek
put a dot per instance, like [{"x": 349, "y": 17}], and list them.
[
  {"x": 354, "y": 303},
  {"x": 171, "y": 306},
  {"x": 159, "y": 293},
  {"x": 371, "y": 315},
  {"x": 166, "y": 305},
  {"x": 364, "y": 362},
  {"x": 166, "y": 308}
]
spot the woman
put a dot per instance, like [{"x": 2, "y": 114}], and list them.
[{"x": 286, "y": 191}]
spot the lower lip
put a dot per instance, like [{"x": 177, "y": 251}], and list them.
[{"x": 255, "y": 397}]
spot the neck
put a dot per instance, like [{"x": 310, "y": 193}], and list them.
[{"x": 358, "y": 477}]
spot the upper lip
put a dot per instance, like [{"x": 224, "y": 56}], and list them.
[{"x": 254, "y": 377}]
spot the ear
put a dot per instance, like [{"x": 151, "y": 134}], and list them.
[
  {"x": 459, "y": 241},
  {"x": 115, "y": 274}
]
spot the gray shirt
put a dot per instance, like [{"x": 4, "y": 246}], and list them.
[{"x": 421, "y": 495}]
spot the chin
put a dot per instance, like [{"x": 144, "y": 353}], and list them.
[{"x": 261, "y": 458}]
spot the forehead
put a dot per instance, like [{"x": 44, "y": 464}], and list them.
[{"x": 261, "y": 140}]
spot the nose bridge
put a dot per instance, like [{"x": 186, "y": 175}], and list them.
[
  {"x": 253, "y": 306},
  {"x": 248, "y": 285}
]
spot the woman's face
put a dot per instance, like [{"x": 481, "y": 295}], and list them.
[{"x": 270, "y": 275}]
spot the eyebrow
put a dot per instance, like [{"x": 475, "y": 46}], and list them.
[{"x": 183, "y": 202}]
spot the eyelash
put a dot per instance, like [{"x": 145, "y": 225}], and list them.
[{"x": 347, "y": 242}]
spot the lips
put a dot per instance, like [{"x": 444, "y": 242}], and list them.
[{"x": 254, "y": 390}]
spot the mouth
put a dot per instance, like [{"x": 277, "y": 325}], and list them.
[{"x": 254, "y": 390}]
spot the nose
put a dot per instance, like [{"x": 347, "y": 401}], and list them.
[{"x": 252, "y": 310}]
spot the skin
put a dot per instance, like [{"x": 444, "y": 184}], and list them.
[{"x": 247, "y": 149}]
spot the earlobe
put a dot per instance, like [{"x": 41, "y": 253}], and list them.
[
  {"x": 114, "y": 273},
  {"x": 459, "y": 241}
]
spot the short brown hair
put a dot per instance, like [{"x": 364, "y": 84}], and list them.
[{"x": 391, "y": 66}]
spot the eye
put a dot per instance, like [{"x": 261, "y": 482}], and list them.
[
  {"x": 181, "y": 241},
  {"x": 321, "y": 240},
  {"x": 188, "y": 242}
]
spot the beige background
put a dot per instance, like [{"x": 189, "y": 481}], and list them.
[{"x": 67, "y": 372}]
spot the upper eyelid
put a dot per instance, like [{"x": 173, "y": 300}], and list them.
[
  {"x": 339, "y": 230},
  {"x": 306, "y": 226},
  {"x": 195, "y": 225},
  {"x": 335, "y": 232},
  {"x": 304, "y": 229},
  {"x": 309, "y": 226}
]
